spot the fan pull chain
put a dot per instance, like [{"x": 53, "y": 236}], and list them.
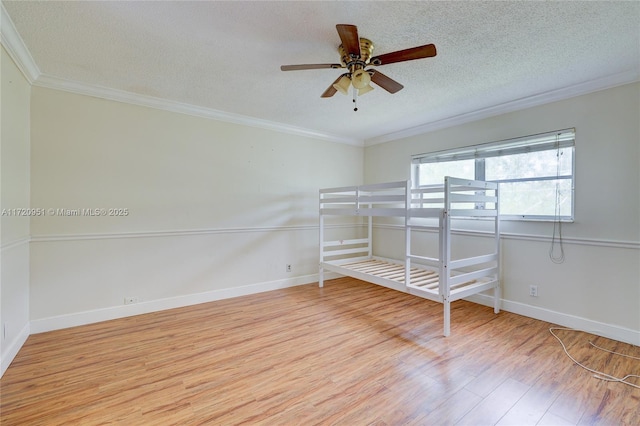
[{"x": 355, "y": 99}]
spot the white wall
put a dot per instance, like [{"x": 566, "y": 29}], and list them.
[
  {"x": 14, "y": 229},
  {"x": 598, "y": 286},
  {"x": 214, "y": 209}
]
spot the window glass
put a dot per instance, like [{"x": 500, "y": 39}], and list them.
[
  {"x": 436, "y": 172},
  {"x": 531, "y": 164},
  {"x": 535, "y": 198}
]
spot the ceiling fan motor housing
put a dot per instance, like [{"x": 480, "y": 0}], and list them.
[{"x": 355, "y": 63}]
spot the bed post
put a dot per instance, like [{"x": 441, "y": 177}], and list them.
[
  {"x": 321, "y": 237},
  {"x": 447, "y": 317},
  {"x": 445, "y": 256},
  {"x": 497, "y": 291},
  {"x": 407, "y": 236},
  {"x": 370, "y": 236}
]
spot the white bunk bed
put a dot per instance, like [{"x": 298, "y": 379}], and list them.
[{"x": 441, "y": 279}]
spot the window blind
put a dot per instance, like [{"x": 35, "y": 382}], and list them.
[{"x": 540, "y": 142}]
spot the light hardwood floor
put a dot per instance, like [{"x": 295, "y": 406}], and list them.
[{"x": 349, "y": 354}]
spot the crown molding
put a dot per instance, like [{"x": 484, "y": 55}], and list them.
[
  {"x": 15, "y": 47},
  {"x": 56, "y": 83},
  {"x": 511, "y": 106}
]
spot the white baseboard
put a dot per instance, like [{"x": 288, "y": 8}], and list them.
[
  {"x": 10, "y": 352},
  {"x": 610, "y": 331},
  {"x": 89, "y": 317}
]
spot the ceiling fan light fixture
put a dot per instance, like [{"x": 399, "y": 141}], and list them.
[
  {"x": 361, "y": 79},
  {"x": 343, "y": 84},
  {"x": 365, "y": 89}
]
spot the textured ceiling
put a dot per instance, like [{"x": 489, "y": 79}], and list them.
[{"x": 226, "y": 56}]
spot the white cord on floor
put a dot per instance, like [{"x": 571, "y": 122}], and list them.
[
  {"x": 597, "y": 374},
  {"x": 612, "y": 352}
]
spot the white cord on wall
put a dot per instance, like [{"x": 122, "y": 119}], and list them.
[{"x": 557, "y": 223}]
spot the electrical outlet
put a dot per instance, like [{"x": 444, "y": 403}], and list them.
[
  {"x": 533, "y": 290},
  {"x": 131, "y": 299},
  {"x": 288, "y": 268}
]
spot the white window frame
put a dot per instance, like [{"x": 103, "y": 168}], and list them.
[{"x": 540, "y": 142}]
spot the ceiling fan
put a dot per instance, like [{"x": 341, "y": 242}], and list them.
[{"x": 356, "y": 54}]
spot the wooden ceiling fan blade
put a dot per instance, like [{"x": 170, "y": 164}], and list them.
[
  {"x": 419, "y": 52},
  {"x": 308, "y": 67},
  {"x": 331, "y": 90},
  {"x": 349, "y": 37},
  {"x": 387, "y": 83}
]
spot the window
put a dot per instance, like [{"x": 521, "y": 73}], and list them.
[{"x": 535, "y": 173}]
